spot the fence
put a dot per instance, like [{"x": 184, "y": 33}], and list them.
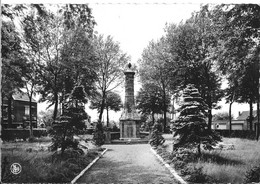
[{"x": 12, "y": 134}]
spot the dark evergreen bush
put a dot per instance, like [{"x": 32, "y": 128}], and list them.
[
  {"x": 156, "y": 137},
  {"x": 71, "y": 122},
  {"x": 196, "y": 175},
  {"x": 99, "y": 136},
  {"x": 253, "y": 175}
]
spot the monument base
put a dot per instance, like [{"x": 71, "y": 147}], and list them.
[{"x": 129, "y": 129}]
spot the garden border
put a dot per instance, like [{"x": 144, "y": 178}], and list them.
[
  {"x": 173, "y": 172},
  {"x": 88, "y": 167}
]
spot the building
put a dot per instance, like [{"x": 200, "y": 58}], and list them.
[
  {"x": 20, "y": 112},
  {"x": 241, "y": 123}
]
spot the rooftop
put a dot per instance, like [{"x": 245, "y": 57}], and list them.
[
  {"x": 245, "y": 114},
  {"x": 22, "y": 97}
]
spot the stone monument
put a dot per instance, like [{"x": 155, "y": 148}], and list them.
[{"x": 130, "y": 119}]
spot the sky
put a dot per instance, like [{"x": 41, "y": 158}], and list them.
[{"x": 133, "y": 24}]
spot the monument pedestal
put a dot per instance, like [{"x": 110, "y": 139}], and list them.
[{"x": 129, "y": 129}]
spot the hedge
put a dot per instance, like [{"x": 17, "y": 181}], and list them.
[
  {"x": 12, "y": 134},
  {"x": 115, "y": 135},
  {"x": 245, "y": 134}
]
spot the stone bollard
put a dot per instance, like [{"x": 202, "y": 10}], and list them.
[{"x": 107, "y": 137}]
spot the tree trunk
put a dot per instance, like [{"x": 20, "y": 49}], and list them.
[
  {"x": 230, "y": 118},
  {"x": 210, "y": 110},
  {"x": 153, "y": 117},
  {"x": 258, "y": 99},
  {"x": 30, "y": 112},
  {"x": 251, "y": 115},
  {"x": 10, "y": 120},
  {"x": 55, "y": 111},
  {"x": 164, "y": 110},
  {"x": 102, "y": 106},
  {"x": 199, "y": 150},
  {"x": 107, "y": 118},
  {"x": 209, "y": 119},
  {"x": 258, "y": 118}
]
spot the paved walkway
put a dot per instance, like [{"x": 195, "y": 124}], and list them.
[{"x": 127, "y": 164}]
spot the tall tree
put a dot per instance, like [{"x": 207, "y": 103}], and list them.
[
  {"x": 42, "y": 32},
  {"x": 231, "y": 97},
  {"x": 191, "y": 44},
  {"x": 113, "y": 102},
  {"x": 13, "y": 63},
  {"x": 31, "y": 82},
  {"x": 78, "y": 54},
  {"x": 238, "y": 46},
  {"x": 157, "y": 68},
  {"x": 111, "y": 62},
  {"x": 62, "y": 44}
]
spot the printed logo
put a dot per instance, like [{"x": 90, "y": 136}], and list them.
[{"x": 16, "y": 168}]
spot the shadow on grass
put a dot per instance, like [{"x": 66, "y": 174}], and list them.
[{"x": 218, "y": 159}]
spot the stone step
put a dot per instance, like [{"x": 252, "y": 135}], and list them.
[{"x": 132, "y": 141}]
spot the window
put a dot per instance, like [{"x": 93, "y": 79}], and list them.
[{"x": 27, "y": 110}]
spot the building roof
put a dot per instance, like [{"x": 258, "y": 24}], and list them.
[
  {"x": 245, "y": 114},
  {"x": 220, "y": 121},
  {"x": 22, "y": 97}
]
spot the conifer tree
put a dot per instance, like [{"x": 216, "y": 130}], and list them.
[
  {"x": 156, "y": 137},
  {"x": 71, "y": 122},
  {"x": 191, "y": 128},
  {"x": 99, "y": 136}
]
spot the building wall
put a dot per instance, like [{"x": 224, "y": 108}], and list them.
[
  {"x": 19, "y": 114},
  {"x": 224, "y": 125}
]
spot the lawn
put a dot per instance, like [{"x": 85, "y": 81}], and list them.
[
  {"x": 40, "y": 165},
  {"x": 226, "y": 166}
]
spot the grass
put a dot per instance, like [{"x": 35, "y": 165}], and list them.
[
  {"x": 227, "y": 166},
  {"x": 41, "y": 165}
]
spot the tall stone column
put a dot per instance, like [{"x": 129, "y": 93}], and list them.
[{"x": 130, "y": 119}]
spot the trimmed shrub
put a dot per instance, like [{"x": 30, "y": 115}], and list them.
[
  {"x": 115, "y": 135},
  {"x": 253, "y": 175},
  {"x": 178, "y": 164},
  {"x": 99, "y": 136},
  {"x": 156, "y": 137},
  {"x": 196, "y": 175}
]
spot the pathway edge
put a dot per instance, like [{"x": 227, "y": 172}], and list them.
[
  {"x": 88, "y": 167},
  {"x": 173, "y": 172}
]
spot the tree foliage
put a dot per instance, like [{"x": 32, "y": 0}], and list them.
[
  {"x": 13, "y": 63},
  {"x": 111, "y": 61},
  {"x": 62, "y": 47},
  {"x": 222, "y": 116},
  {"x": 149, "y": 100},
  {"x": 237, "y": 51}
]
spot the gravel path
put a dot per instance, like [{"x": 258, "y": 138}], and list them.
[{"x": 128, "y": 164}]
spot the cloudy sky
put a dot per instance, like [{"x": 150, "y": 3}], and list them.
[{"x": 134, "y": 23}]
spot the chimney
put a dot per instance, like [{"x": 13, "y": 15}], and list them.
[{"x": 239, "y": 113}]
